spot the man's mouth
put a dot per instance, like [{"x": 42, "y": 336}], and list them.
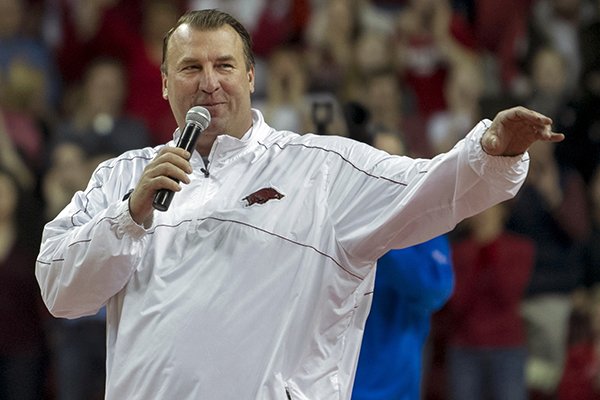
[{"x": 208, "y": 105}]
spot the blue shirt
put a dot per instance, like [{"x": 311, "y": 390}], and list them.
[{"x": 410, "y": 284}]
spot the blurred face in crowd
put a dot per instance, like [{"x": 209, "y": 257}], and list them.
[
  {"x": 372, "y": 52},
  {"x": 70, "y": 168},
  {"x": 424, "y": 6},
  {"x": 389, "y": 142},
  {"x": 549, "y": 72},
  {"x": 159, "y": 17},
  {"x": 209, "y": 68},
  {"x": 105, "y": 88},
  {"x": 567, "y": 8},
  {"x": 383, "y": 94},
  {"x": 465, "y": 86},
  {"x": 488, "y": 224},
  {"x": 11, "y": 14},
  {"x": 8, "y": 200}
]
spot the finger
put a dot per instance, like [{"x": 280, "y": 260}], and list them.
[
  {"x": 173, "y": 158},
  {"x": 531, "y": 116},
  {"x": 165, "y": 182},
  {"x": 556, "y": 137},
  {"x": 175, "y": 150},
  {"x": 546, "y": 134},
  {"x": 169, "y": 170}
]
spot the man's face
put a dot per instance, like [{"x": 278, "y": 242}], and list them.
[{"x": 208, "y": 68}]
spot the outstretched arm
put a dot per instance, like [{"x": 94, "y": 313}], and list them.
[{"x": 514, "y": 130}]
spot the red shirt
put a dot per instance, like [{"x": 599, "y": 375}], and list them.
[
  {"x": 581, "y": 369},
  {"x": 490, "y": 282},
  {"x": 426, "y": 70}
]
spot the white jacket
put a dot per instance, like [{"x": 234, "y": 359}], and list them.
[{"x": 238, "y": 293}]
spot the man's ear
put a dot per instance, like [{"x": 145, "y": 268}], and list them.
[
  {"x": 165, "y": 91},
  {"x": 251, "y": 79}
]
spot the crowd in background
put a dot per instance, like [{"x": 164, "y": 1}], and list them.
[{"x": 80, "y": 82}]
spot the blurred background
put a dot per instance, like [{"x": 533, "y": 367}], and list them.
[{"x": 80, "y": 83}]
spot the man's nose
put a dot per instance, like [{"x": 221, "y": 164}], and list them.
[{"x": 209, "y": 81}]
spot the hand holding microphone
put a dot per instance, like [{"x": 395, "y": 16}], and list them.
[
  {"x": 160, "y": 180},
  {"x": 197, "y": 120}
]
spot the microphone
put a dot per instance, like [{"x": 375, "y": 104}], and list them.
[{"x": 197, "y": 120}]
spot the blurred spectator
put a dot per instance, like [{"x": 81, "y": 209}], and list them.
[
  {"x": 370, "y": 56},
  {"x": 22, "y": 341},
  {"x": 581, "y": 377},
  {"x": 549, "y": 91},
  {"x": 10, "y": 156},
  {"x": 97, "y": 129},
  {"x": 248, "y": 12},
  {"x": 78, "y": 347},
  {"x": 330, "y": 38},
  {"x": 143, "y": 69},
  {"x": 98, "y": 122},
  {"x": 580, "y": 119},
  {"x": 557, "y": 23},
  {"x": 68, "y": 172},
  {"x": 431, "y": 38},
  {"x": 390, "y": 142},
  {"x": 99, "y": 28},
  {"x": 551, "y": 208},
  {"x": 19, "y": 46},
  {"x": 383, "y": 98},
  {"x": 592, "y": 250},
  {"x": 410, "y": 284},
  {"x": 501, "y": 31},
  {"x": 24, "y": 78},
  {"x": 78, "y": 28},
  {"x": 373, "y": 84},
  {"x": 487, "y": 350},
  {"x": 463, "y": 92},
  {"x": 281, "y": 22},
  {"x": 286, "y": 104}
]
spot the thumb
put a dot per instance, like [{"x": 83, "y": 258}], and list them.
[{"x": 490, "y": 144}]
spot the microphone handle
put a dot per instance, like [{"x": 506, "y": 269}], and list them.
[{"x": 187, "y": 141}]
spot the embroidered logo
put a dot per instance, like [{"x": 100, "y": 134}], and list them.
[{"x": 262, "y": 196}]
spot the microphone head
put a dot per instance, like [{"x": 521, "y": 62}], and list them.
[{"x": 198, "y": 115}]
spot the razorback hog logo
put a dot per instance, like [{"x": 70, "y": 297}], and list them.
[{"x": 262, "y": 196}]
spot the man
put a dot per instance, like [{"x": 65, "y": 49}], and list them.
[{"x": 252, "y": 285}]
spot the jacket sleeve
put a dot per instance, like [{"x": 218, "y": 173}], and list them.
[
  {"x": 380, "y": 202},
  {"x": 89, "y": 251}
]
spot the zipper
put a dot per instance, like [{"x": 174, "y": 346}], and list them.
[
  {"x": 287, "y": 393},
  {"x": 204, "y": 170}
]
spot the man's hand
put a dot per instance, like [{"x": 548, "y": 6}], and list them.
[
  {"x": 515, "y": 129},
  {"x": 170, "y": 163}
]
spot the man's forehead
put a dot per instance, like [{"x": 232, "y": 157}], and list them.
[
  {"x": 188, "y": 39},
  {"x": 187, "y": 32}
]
